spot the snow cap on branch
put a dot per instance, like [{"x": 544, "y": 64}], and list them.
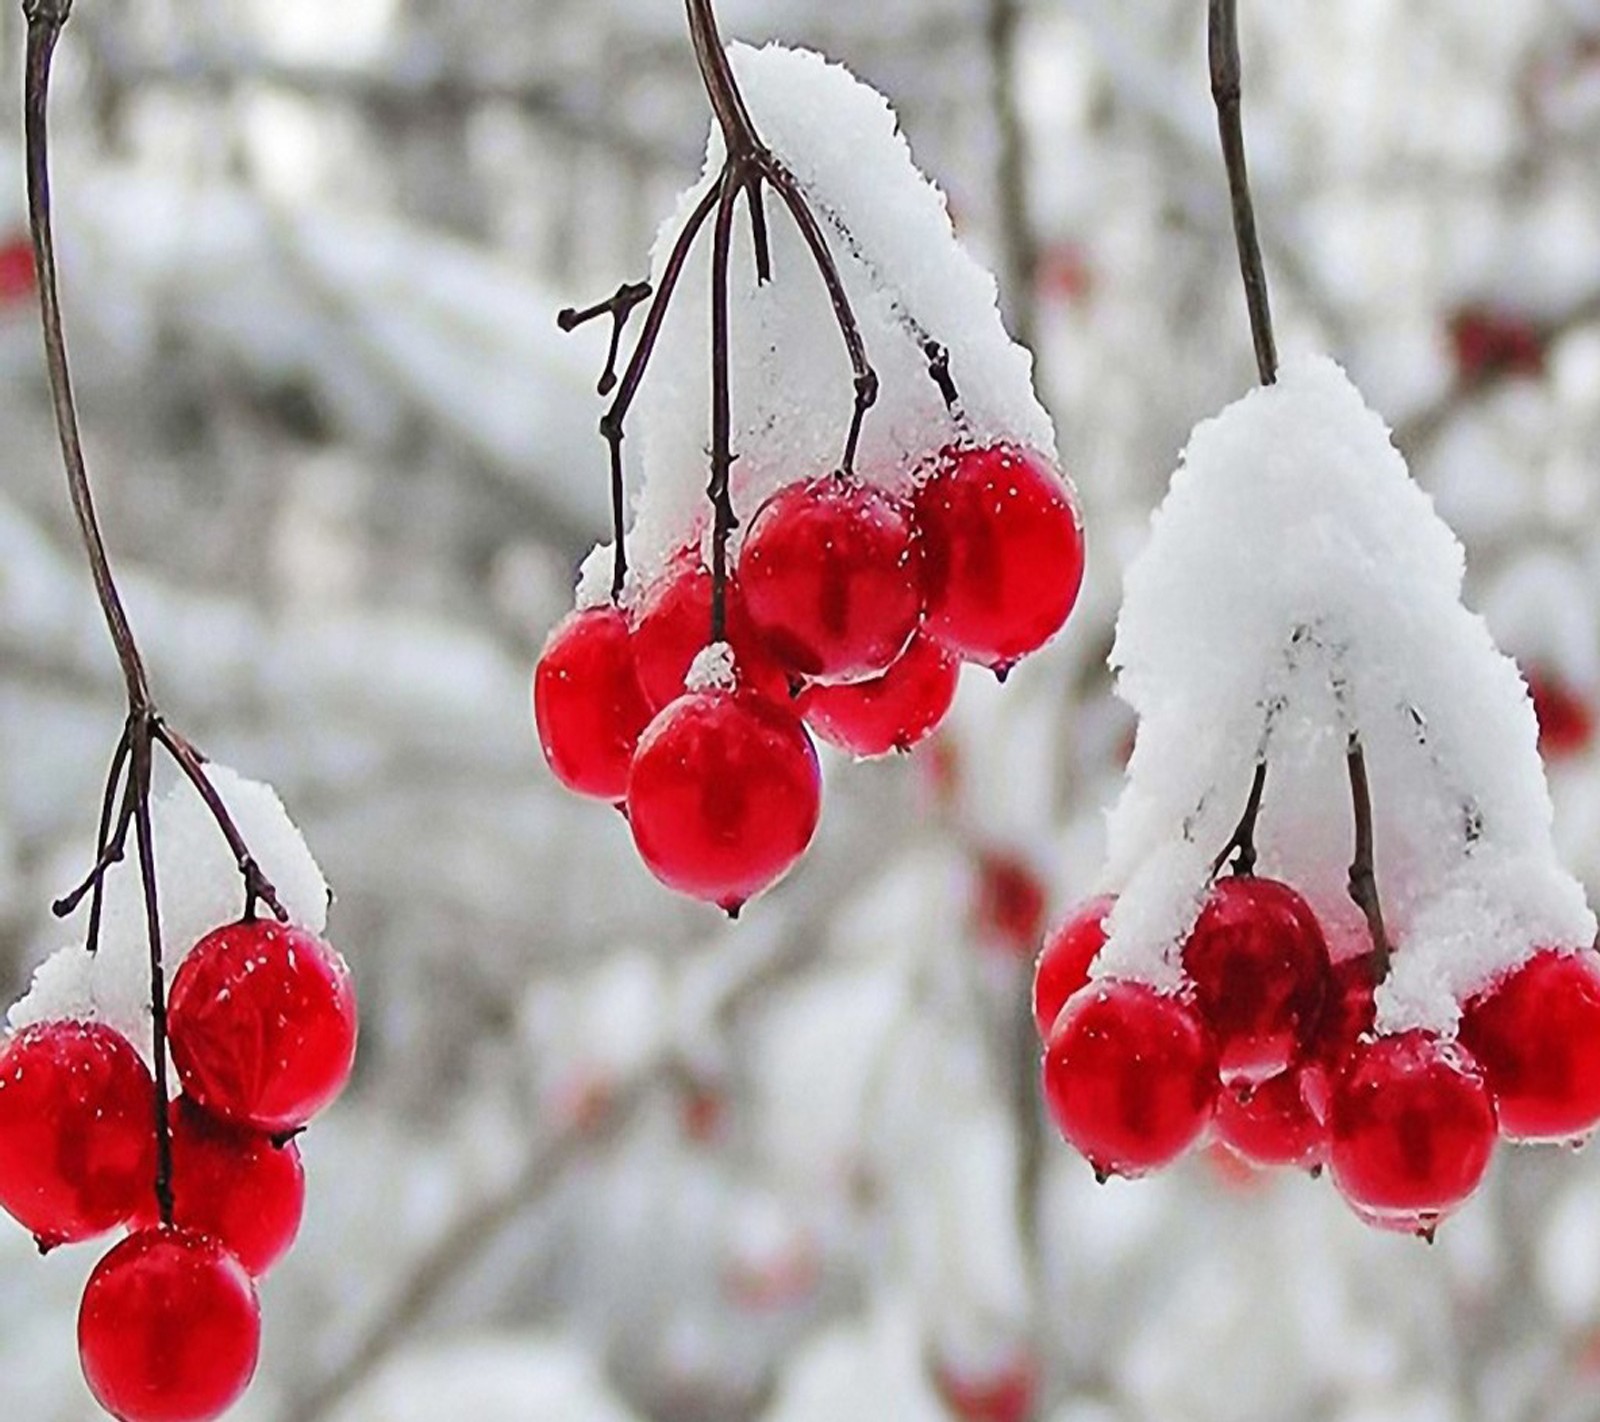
[
  {"x": 1297, "y": 589},
  {"x": 908, "y": 279},
  {"x": 199, "y": 889}
]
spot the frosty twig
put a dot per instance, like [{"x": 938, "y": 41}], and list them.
[
  {"x": 132, "y": 762},
  {"x": 1226, "y": 92},
  {"x": 1363, "y": 881},
  {"x": 1241, "y": 846},
  {"x": 748, "y": 166}
]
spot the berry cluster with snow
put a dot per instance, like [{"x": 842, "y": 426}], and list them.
[
  {"x": 261, "y": 1023},
  {"x": 1298, "y": 604},
  {"x": 607, "y": 1156},
  {"x": 858, "y": 589}
]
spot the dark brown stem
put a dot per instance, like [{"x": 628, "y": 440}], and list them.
[
  {"x": 749, "y": 167},
  {"x": 45, "y": 20},
  {"x": 109, "y": 845},
  {"x": 619, "y": 307},
  {"x": 749, "y": 159},
  {"x": 192, "y": 764},
  {"x": 144, "y": 729},
  {"x": 1226, "y": 93},
  {"x": 1241, "y": 846},
  {"x": 720, "y": 489},
  {"x": 139, "y": 787},
  {"x": 1363, "y": 877}
]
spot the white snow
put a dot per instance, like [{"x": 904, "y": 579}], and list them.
[
  {"x": 504, "y": 1378},
  {"x": 713, "y": 669},
  {"x": 1296, "y": 587},
  {"x": 890, "y": 233},
  {"x": 199, "y": 888}
]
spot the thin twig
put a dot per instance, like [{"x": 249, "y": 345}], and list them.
[
  {"x": 1241, "y": 845},
  {"x": 139, "y": 785},
  {"x": 143, "y": 729},
  {"x": 1223, "y": 47},
  {"x": 109, "y": 845},
  {"x": 1363, "y": 876},
  {"x": 45, "y": 20},
  {"x": 747, "y": 156},
  {"x": 192, "y": 764},
  {"x": 719, "y": 491}
]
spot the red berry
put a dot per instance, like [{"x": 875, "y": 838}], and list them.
[
  {"x": 1259, "y": 966},
  {"x": 1010, "y": 906},
  {"x": 77, "y": 1130},
  {"x": 672, "y": 625},
  {"x": 1002, "y": 553},
  {"x": 1411, "y": 1130},
  {"x": 234, "y": 1185},
  {"x": 1536, "y": 1035},
  {"x": 832, "y": 577},
  {"x": 1348, "y": 1014},
  {"x": 1064, "y": 961},
  {"x": 725, "y": 795},
  {"x": 1271, "y": 1124},
  {"x": 1566, "y": 720},
  {"x": 1003, "y": 1394},
  {"x": 1130, "y": 1076},
  {"x": 587, "y": 702},
  {"x": 1487, "y": 342},
  {"x": 886, "y": 713},
  {"x": 169, "y": 1329},
  {"x": 16, "y": 270},
  {"x": 262, "y": 1020}
]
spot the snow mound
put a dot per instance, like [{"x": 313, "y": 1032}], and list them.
[
  {"x": 199, "y": 888},
  {"x": 1298, "y": 588},
  {"x": 907, "y": 277}
]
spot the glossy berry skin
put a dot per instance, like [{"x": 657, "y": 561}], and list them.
[
  {"x": 1348, "y": 1014},
  {"x": 262, "y": 1021},
  {"x": 234, "y": 1185},
  {"x": 169, "y": 1329},
  {"x": 587, "y": 703},
  {"x": 1259, "y": 965},
  {"x": 725, "y": 795},
  {"x": 1271, "y": 1124},
  {"x": 1130, "y": 1076},
  {"x": 77, "y": 1130},
  {"x": 672, "y": 625},
  {"x": 1536, "y": 1034},
  {"x": 1064, "y": 961},
  {"x": 891, "y": 712},
  {"x": 1411, "y": 1130},
  {"x": 832, "y": 578},
  {"x": 1002, "y": 554}
]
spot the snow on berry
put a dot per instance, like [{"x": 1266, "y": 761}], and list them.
[
  {"x": 905, "y": 274},
  {"x": 882, "y": 500},
  {"x": 1298, "y": 589},
  {"x": 199, "y": 889},
  {"x": 714, "y": 668}
]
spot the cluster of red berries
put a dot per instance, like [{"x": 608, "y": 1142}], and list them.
[
  {"x": 262, "y": 1023},
  {"x": 1270, "y": 1045},
  {"x": 850, "y": 611}
]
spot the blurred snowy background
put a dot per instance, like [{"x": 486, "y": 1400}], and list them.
[{"x": 608, "y": 1158}]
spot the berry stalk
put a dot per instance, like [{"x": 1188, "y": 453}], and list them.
[
  {"x": 132, "y": 762},
  {"x": 1227, "y": 94}
]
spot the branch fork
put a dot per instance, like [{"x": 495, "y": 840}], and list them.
[{"x": 125, "y": 803}]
